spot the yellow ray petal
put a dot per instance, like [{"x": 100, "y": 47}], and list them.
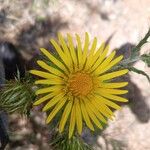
[
  {"x": 50, "y": 69},
  {"x": 109, "y": 103},
  {"x": 93, "y": 59},
  {"x": 112, "y": 63},
  {"x": 63, "y": 57},
  {"x": 114, "y": 97},
  {"x": 86, "y": 116},
  {"x": 63, "y": 44},
  {"x": 99, "y": 51},
  {"x": 102, "y": 108},
  {"x": 55, "y": 111},
  {"x": 100, "y": 59},
  {"x": 93, "y": 47},
  {"x": 45, "y": 98},
  {"x": 66, "y": 51},
  {"x": 78, "y": 116},
  {"x": 65, "y": 116},
  {"x": 50, "y": 82},
  {"x": 54, "y": 100},
  {"x": 113, "y": 85},
  {"x": 94, "y": 119},
  {"x": 113, "y": 75},
  {"x": 79, "y": 51},
  {"x": 85, "y": 49},
  {"x": 86, "y": 45},
  {"x": 99, "y": 115},
  {"x": 92, "y": 116},
  {"x": 44, "y": 74},
  {"x": 96, "y": 111},
  {"x": 111, "y": 91},
  {"x": 105, "y": 63},
  {"x": 72, "y": 122},
  {"x": 48, "y": 89},
  {"x": 72, "y": 51},
  {"x": 58, "y": 63}
]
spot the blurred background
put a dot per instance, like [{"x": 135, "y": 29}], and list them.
[{"x": 29, "y": 24}]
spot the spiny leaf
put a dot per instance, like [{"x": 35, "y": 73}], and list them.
[
  {"x": 139, "y": 72},
  {"x": 17, "y": 96},
  {"x": 61, "y": 142},
  {"x": 136, "y": 49},
  {"x": 146, "y": 59}
]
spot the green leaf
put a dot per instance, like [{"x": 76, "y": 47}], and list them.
[
  {"x": 136, "y": 49},
  {"x": 146, "y": 59},
  {"x": 17, "y": 96},
  {"x": 139, "y": 72},
  {"x": 62, "y": 142}
]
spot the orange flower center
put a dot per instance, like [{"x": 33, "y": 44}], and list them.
[{"x": 80, "y": 84}]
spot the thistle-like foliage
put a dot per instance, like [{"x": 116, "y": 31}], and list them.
[
  {"x": 61, "y": 142},
  {"x": 17, "y": 96}
]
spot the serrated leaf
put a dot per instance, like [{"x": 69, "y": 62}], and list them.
[
  {"x": 146, "y": 59},
  {"x": 137, "y": 48},
  {"x": 139, "y": 72}
]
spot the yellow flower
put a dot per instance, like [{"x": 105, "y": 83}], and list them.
[{"x": 79, "y": 84}]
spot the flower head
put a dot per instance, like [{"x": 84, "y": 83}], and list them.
[{"x": 79, "y": 83}]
